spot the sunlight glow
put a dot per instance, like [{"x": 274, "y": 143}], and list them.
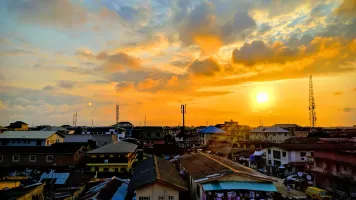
[{"x": 262, "y": 97}]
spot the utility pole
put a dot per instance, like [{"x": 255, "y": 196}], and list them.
[
  {"x": 92, "y": 122},
  {"x": 145, "y": 121},
  {"x": 183, "y": 111}
]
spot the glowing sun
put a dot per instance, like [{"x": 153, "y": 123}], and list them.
[{"x": 262, "y": 97}]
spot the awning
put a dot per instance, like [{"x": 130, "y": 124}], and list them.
[{"x": 236, "y": 185}]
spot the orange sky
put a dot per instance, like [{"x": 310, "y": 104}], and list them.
[{"x": 215, "y": 56}]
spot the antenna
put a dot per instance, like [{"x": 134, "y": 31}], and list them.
[
  {"x": 117, "y": 113},
  {"x": 145, "y": 121},
  {"x": 312, "y": 106},
  {"x": 75, "y": 119},
  {"x": 92, "y": 122},
  {"x": 183, "y": 111}
]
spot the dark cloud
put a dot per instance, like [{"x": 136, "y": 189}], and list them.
[
  {"x": 347, "y": 109},
  {"x": 52, "y": 13},
  {"x": 208, "y": 67},
  {"x": 338, "y": 93},
  {"x": 67, "y": 84},
  {"x": 49, "y": 88},
  {"x": 295, "y": 41},
  {"x": 340, "y": 27},
  {"x": 238, "y": 27},
  {"x": 124, "y": 86},
  {"x": 264, "y": 28},
  {"x": 181, "y": 63}
]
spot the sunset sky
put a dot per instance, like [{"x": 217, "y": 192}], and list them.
[{"x": 151, "y": 56}]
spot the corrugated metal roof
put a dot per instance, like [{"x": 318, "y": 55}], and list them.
[
  {"x": 211, "y": 129},
  {"x": 61, "y": 178},
  {"x": 266, "y": 129},
  {"x": 117, "y": 147},
  {"x": 235, "y": 185},
  {"x": 258, "y": 129},
  {"x": 26, "y": 134}
]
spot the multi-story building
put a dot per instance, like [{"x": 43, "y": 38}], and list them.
[
  {"x": 273, "y": 134},
  {"x": 156, "y": 178},
  {"x": 30, "y": 138},
  {"x": 58, "y": 155},
  {"x": 97, "y": 140},
  {"x": 18, "y": 126},
  {"x": 115, "y": 157},
  {"x": 334, "y": 169},
  {"x": 288, "y": 159},
  {"x": 104, "y": 130},
  {"x": 237, "y": 131},
  {"x": 149, "y": 135}
]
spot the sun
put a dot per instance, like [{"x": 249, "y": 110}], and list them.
[
  {"x": 89, "y": 104},
  {"x": 262, "y": 97}
]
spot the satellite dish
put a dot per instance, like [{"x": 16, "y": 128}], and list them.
[
  {"x": 309, "y": 177},
  {"x": 300, "y": 174}
]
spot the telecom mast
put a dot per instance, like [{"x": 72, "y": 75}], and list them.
[
  {"x": 75, "y": 119},
  {"x": 312, "y": 106},
  {"x": 117, "y": 113}
]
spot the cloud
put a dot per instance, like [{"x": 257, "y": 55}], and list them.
[
  {"x": 16, "y": 52},
  {"x": 2, "y": 77},
  {"x": 208, "y": 67},
  {"x": 338, "y": 93},
  {"x": 354, "y": 89},
  {"x": 52, "y": 13},
  {"x": 124, "y": 86},
  {"x": 85, "y": 53},
  {"x": 348, "y": 8},
  {"x": 148, "y": 84},
  {"x": 67, "y": 84},
  {"x": 49, "y": 88},
  {"x": 347, "y": 109},
  {"x": 118, "y": 61},
  {"x": 202, "y": 28}
]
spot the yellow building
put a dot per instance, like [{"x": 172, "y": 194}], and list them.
[
  {"x": 114, "y": 157},
  {"x": 18, "y": 126}
]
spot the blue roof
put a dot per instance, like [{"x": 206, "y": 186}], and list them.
[
  {"x": 235, "y": 185},
  {"x": 212, "y": 129}
]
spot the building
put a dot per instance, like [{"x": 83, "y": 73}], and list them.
[
  {"x": 206, "y": 133},
  {"x": 98, "y": 140},
  {"x": 233, "y": 128},
  {"x": 103, "y": 189},
  {"x": 30, "y": 138},
  {"x": 334, "y": 169},
  {"x": 18, "y": 126},
  {"x": 296, "y": 130},
  {"x": 34, "y": 191},
  {"x": 186, "y": 139},
  {"x": 149, "y": 135},
  {"x": 156, "y": 178},
  {"x": 273, "y": 134},
  {"x": 57, "y": 155},
  {"x": 213, "y": 177},
  {"x": 115, "y": 157},
  {"x": 104, "y": 130},
  {"x": 127, "y": 126}
]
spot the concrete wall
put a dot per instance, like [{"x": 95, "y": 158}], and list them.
[
  {"x": 156, "y": 190},
  {"x": 54, "y": 139}
]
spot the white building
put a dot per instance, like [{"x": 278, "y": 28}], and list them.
[
  {"x": 288, "y": 158},
  {"x": 273, "y": 134}
]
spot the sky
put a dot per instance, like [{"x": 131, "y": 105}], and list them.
[{"x": 150, "y": 56}]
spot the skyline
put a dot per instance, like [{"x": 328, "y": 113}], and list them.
[{"x": 243, "y": 60}]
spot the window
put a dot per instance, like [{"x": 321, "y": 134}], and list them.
[
  {"x": 1, "y": 158},
  {"x": 302, "y": 154},
  {"x": 284, "y": 154},
  {"x": 276, "y": 154},
  {"x": 160, "y": 198},
  {"x": 32, "y": 158},
  {"x": 13, "y": 141},
  {"x": 158, "y": 135},
  {"x": 290, "y": 169},
  {"x": 269, "y": 151},
  {"x": 269, "y": 162},
  {"x": 49, "y": 158},
  {"x": 106, "y": 169},
  {"x": 170, "y": 197},
  {"x": 277, "y": 163},
  {"x": 312, "y": 153},
  {"x": 15, "y": 158},
  {"x": 106, "y": 161},
  {"x": 144, "y": 198}
]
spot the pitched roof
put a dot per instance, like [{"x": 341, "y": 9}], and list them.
[
  {"x": 211, "y": 129},
  {"x": 203, "y": 166},
  {"x": 26, "y": 134},
  {"x": 156, "y": 169},
  {"x": 265, "y": 129},
  {"x": 116, "y": 147},
  {"x": 287, "y": 125},
  {"x": 105, "y": 189}
]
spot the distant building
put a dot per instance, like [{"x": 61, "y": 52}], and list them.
[
  {"x": 233, "y": 128},
  {"x": 128, "y": 126},
  {"x": 273, "y": 134},
  {"x": 295, "y": 129},
  {"x": 18, "y": 126},
  {"x": 104, "y": 130},
  {"x": 213, "y": 177},
  {"x": 99, "y": 140},
  {"x": 115, "y": 157},
  {"x": 186, "y": 139},
  {"x": 30, "y": 138},
  {"x": 156, "y": 178},
  {"x": 206, "y": 133},
  {"x": 149, "y": 135},
  {"x": 334, "y": 169},
  {"x": 58, "y": 155}
]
